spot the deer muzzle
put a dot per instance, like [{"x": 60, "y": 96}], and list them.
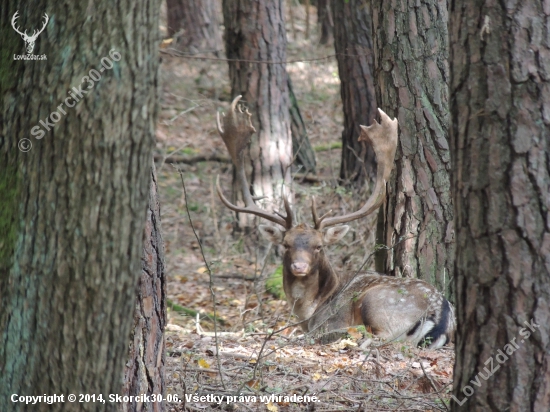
[{"x": 299, "y": 268}]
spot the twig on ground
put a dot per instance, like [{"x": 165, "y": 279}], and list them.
[
  {"x": 433, "y": 386},
  {"x": 210, "y": 284}
]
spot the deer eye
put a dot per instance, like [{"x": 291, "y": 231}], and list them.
[{"x": 318, "y": 248}]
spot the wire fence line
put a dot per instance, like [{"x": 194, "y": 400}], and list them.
[{"x": 195, "y": 56}]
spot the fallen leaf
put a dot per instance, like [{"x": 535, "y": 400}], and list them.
[
  {"x": 346, "y": 343},
  {"x": 253, "y": 383},
  {"x": 271, "y": 407},
  {"x": 203, "y": 364},
  {"x": 354, "y": 333}
]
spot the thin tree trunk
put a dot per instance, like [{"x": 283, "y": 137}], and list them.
[
  {"x": 353, "y": 44},
  {"x": 301, "y": 146},
  {"x": 194, "y": 24},
  {"x": 501, "y": 178},
  {"x": 72, "y": 222},
  {"x": 144, "y": 372},
  {"x": 325, "y": 22},
  {"x": 411, "y": 74},
  {"x": 255, "y": 30}
]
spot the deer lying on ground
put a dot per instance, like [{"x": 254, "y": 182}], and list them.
[{"x": 393, "y": 308}]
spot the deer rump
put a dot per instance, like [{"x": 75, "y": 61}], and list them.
[{"x": 392, "y": 307}]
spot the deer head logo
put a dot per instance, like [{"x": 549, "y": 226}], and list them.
[{"x": 29, "y": 40}]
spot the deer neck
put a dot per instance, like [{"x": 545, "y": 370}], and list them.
[{"x": 306, "y": 294}]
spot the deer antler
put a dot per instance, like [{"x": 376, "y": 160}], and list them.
[
  {"x": 383, "y": 139},
  {"x": 236, "y": 132},
  {"x": 14, "y": 18}
]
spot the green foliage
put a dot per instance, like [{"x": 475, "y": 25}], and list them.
[
  {"x": 193, "y": 207},
  {"x": 274, "y": 283},
  {"x": 328, "y": 146},
  {"x": 192, "y": 313}
]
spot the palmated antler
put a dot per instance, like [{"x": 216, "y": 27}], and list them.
[
  {"x": 236, "y": 132},
  {"x": 383, "y": 139}
]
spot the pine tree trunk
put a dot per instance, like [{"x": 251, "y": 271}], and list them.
[
  {"x": 353, "y": 44},
  {"x": 411, "y": 74},
  {"x": 255, "y": 30},
  {"x": 144, "y": 372},
  {"x": 500, "y": 80},
  {"x": 194, "y": 24},
  {"x": 301, "y": 146},
  {"x": 75, "y": 205},
  {"x": 325, "y": 21}
]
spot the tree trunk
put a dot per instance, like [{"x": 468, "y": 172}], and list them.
[
  {"x": 75, "y": 205},
  {"x": 255, "y": 30},
  {"x": 194, "y": 24},
  {"x": 324, "y": 21},
  {"x": 500, "y": 81},
  {"x": 301, "y": 147},
  {"x": 144, "y": 372},
  {"x": 411, "y": 74},
  {"x": 353, "y": 44}
]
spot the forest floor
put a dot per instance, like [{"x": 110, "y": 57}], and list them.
[{"x": 259, "y": 353}]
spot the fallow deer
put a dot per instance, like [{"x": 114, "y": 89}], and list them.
[{"x": 392, "y": 307}]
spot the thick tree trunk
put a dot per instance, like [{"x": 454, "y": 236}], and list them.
[
  {"x": 411, "y": 74},
  {"x": 304, "y": 154},
  {"x": 144, "y": 372},
  {"x": 500, "y": 80},
  {"x": 255, "y": 30},
  {"x": 325, "y": 21},
  {"x": 353, "y": 44},
  {"x": 75, "y": 209},
  {"x": 194, "y": 24}
]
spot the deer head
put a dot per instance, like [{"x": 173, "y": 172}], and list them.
[
  {"x": 301, "y": 242},
  {"x": 29, "y": 40},
  {"x": 304, "y": 256}
]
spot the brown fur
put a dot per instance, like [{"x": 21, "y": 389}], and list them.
[{"x": 391, "y": 307}]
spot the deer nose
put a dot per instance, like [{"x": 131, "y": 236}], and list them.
[{"x": 299, "y": 268}]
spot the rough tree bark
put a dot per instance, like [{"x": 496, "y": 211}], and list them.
[
  {"x": 500, "y": 80},
  {"x": 255, "y": 30},
  {"x": 325, "y": 22},
  {"x": 75, "y": 204},
  {"x": 301, "y": 146},
  {"x": 144, "y": 372},
  {"x": 194, "y": 24},
  {"x": 353, "y": 45},
  {"x": 411, "y": 74}
]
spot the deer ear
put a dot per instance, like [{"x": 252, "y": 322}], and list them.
[
  {"x": 271, "y": 233},
  {"x": 335, "y": 234}
]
